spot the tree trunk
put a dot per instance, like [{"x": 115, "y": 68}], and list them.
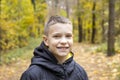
[
  {"x": 67, "y": 8},
  {"x": 102, "y": 23},
  {"x": 93, "y": 23},
  {"x": 33, "y": 3},
  {"x": 103, "y": 31},
  {"x": 79, "y": 23},
  {"x": 56, "y": 7},
  {"x": 0, "y": 13},
  {"x": 53, "y": 7},
  {"x": 0, "y": 34},
  {"x": 111, "y": 40},
  {"x": 79, "y": 29},
  {"x": 103, "y": 27}
]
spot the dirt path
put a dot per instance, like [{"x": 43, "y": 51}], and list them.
[{"x": 98, "y": 66}]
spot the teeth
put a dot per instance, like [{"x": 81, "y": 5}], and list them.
[{"x": 62, "y": 47}]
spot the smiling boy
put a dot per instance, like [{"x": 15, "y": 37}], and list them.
[{"x": 53, "y": 59}]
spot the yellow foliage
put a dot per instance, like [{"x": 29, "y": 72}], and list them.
[{"x": 19, "y": 22}]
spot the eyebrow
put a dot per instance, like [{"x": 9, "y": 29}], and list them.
[{"x": 60, "y": 33}]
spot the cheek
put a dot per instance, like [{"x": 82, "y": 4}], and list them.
[
  {"x": 71, "y": 42},
  {"x": 52, "y": 42}
]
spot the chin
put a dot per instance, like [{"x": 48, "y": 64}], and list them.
[{"x": 63, "y": 54}]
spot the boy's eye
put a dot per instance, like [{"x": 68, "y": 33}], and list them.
[
  {"x": 69, "y": 36},
  {"x": 56, "y": 36}
]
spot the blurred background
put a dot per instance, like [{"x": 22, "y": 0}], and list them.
[{"x": 96, "y": 28}]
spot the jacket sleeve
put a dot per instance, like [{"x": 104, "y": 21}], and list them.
[
  {"x": 82, "y": 72},
  {"x": 85, "y": 75},
  {"x": 26, "y": 76}
]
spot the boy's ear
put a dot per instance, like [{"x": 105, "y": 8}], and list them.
[{"x": 45, "y": 39}]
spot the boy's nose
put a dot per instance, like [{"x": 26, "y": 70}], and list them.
[{"x": 63, "y": 40}]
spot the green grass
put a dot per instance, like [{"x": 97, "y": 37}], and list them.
[
  {"x": 118, "y": 75},
  {"x": 10, "y": 56},
  {"x": 103, "y": 47}
]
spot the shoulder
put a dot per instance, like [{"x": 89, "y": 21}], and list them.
[
  {"x": 34, "y": 69},
  {"x": 32, "y": 73},
  {"x": 81, "y": 71},
  {"x": 79, "y": 67}
]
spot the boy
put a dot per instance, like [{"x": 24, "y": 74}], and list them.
[{"x": 53, "y": 59}]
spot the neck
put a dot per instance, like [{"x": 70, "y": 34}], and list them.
[{"x": 61, "y": 60}]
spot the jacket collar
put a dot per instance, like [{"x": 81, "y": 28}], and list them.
[{"x": 43, "y": 57}]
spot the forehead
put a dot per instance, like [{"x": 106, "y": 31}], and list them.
[{"x": 60, "y": 27}]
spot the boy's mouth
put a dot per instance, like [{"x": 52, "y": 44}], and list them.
[{"x": 63, "y": 48}]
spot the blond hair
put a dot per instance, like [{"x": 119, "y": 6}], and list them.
[{"x": 53, "y": 20}]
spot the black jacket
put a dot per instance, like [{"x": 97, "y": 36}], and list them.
[{"x": 44, "y": 67}]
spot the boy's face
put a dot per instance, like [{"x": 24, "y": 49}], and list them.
[{"x": 59, "y": 39}]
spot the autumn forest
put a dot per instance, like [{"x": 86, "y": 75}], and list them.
[{"x": 96, "y": 29}]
